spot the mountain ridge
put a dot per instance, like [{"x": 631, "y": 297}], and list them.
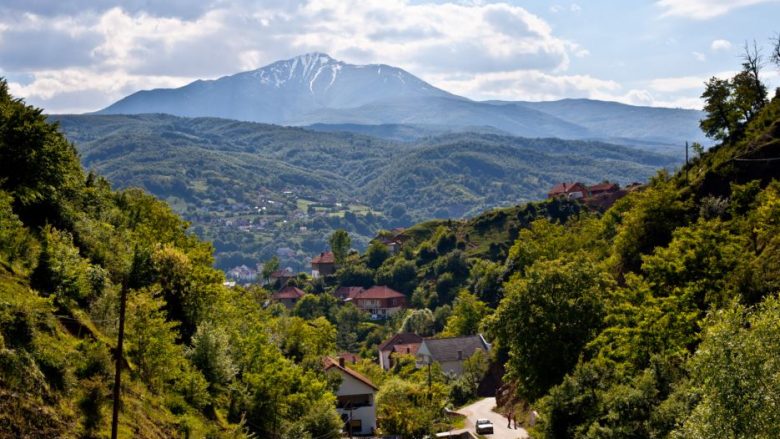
[{"x": 315, "y": 88}]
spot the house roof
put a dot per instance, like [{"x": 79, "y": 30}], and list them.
[
  {"x": 565, "y": 188},
  {"x": 288, "y": 292},
  {"x": 379, "y": 292},
  {"x": 282, "y": 273},
  {"x": 349, "y": 357},
  {"x": 606, "y": 186},
  {"x": 324, "y": 258},
  {"x": 345, "y": 293},
  {"x": 330, "y": 363},
  {"x": 400, "y": 338},
  {"x": 446, "y": 349},
  {"x": 407, "y": 349}
]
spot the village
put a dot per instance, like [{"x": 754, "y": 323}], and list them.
[{"x": 356, "y": 394}]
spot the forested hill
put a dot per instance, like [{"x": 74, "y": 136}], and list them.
[
  {"x": 217, "y": 173},
  {"x": 200, "y": 360},
  {"x": 657, "y": 319}
]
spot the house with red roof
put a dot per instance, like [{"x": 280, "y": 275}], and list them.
[
  {"x": 574, "y": 190},
  {"x": 288, "y": 296},
  {"x": 603, "y": 188},
  {"x": 348, "y": 293},
  {"x": 323, "y": 264},
  {"x": 380, "y": 301},
  {"x": 354, "y": 399},
  {"x": 404, "y": 343}
]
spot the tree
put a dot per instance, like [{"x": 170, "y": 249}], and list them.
[
  {"x": 546, "y": 318},
  {"x": 269, "y": 267},
  {"x": 720, "y": 121},
  {"x": 210, "y": 353},
  {"x": 405, "y": 409},
  {"x": 775, "y": 56},
  {"x": 376, "y": 254},
  {"x": 339, "y": 245},
  {"x": 467, "y": 313},
  {"x": 419, "y": 321},
  {"x": 737, "y": 375}
]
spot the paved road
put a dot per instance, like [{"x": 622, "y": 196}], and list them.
[{"x": 484, "y": 409}]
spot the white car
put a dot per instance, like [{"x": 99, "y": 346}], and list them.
[{"x": 484, "y": 426}]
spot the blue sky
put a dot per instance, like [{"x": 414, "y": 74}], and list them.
[{"x": 81, "y": 55}]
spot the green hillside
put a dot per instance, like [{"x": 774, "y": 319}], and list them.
[
  {"x": 219, "y": 174},
  {"x": 656, "y": 319},
  {"x": 200, "y": 359}
]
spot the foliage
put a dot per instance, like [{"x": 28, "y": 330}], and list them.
[
  {"x": 467, "y": 313},
  {"x": 546, "y": 319},
  {"x": 420, "y": 322},
  {"x": 213, "y": 166},
  {"x": 340, "y": 244}
]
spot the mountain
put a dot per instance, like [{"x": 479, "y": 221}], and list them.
[
  {"x": 283, "y": 91},
  {"x": 218, "y": 172},
  {"x": 315, "y": 89}
]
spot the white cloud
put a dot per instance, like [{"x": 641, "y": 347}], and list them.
[
  {"x": 720, "y": 45},
  {"x": 529, "y": 85},
  {"x": 704, "y": 9},
  {"x": 122, "y": 48},
  {"x": 699, "y": 56}
]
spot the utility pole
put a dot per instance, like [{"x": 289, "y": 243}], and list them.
[
  {"x": 119, "y": 356},
  {"x": 430, "y": 396}
]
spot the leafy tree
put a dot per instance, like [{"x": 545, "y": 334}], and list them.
[
  {"x": 347, "y": 320},
  {"x": 737, "y": 375},
  {"x": 445, "y": 240},
  {"x": 340, "y": 244},
  {"x": 546, "y": 319},
  {"x": 61, "y": 271},
  {"x": 39, "y": 166},
  {"x": 649, "y": 223},
  {"x": 210, "y": 353},
  {"x": 355, "y": 274},
  {"x": 151, "y": 340},
  {"x": 376, "y": 254},
  {"x": 405, "y": 408},
  {"x": 722, "y": 116},
  {"x": 15, "y": 241},
  {"x": 419, "y": 321},
  {"x": 440, "y": 317},
  {"x": 485, "y": 281},
  {"x": 467, "y": 314},
  {"x": 269, "y": 268},
  {"x": 397, "y": 273}
]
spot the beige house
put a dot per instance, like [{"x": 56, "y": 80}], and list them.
[{"x": 354, "y": 399}]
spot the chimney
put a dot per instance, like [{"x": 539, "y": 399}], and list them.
[{"x": 341, "y": 361}]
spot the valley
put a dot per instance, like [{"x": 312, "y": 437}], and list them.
[{"x": 258, "y": 190}]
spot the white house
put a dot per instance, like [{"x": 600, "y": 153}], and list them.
[
  {"x": 354, "y": 399},
  {"x": 451, "y": 352}
]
